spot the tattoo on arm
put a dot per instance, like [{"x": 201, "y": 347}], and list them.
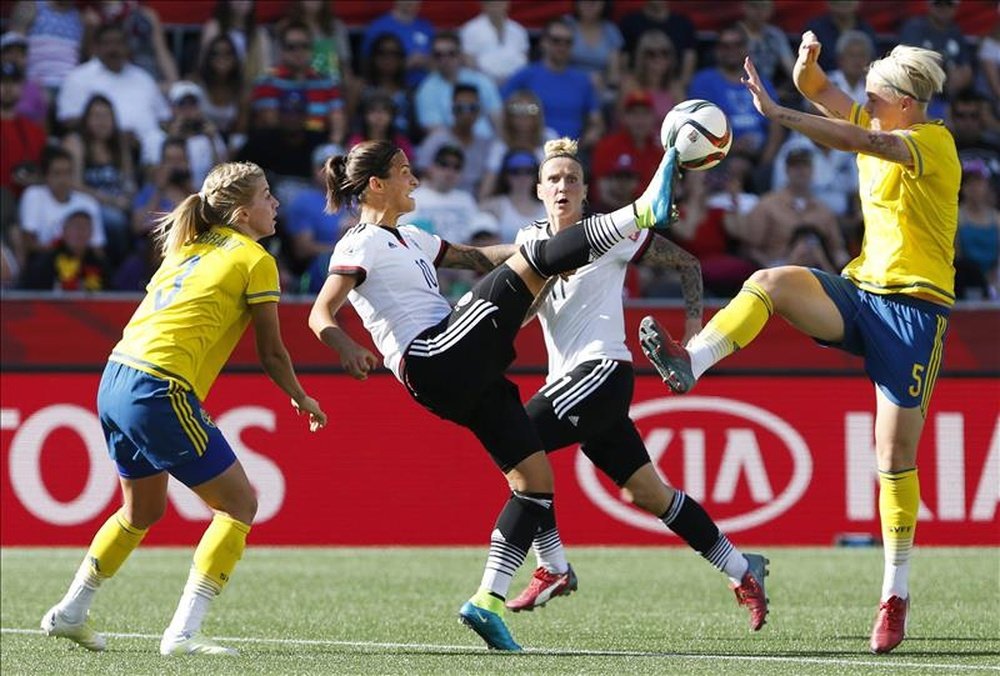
[
  {"x": 465, "y": 257},
  {"x": 665, "y": 255}
]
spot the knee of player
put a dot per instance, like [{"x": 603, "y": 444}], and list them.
[{"x": 144, "y": 514}]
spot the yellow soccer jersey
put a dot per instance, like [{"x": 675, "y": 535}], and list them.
[
  {"x": 910, "y": 215},
  {"x": 197, "y": 306}
]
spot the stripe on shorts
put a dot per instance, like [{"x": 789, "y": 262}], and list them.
[
  {"x": 182, "y": 409},
  {"x": 583, "y": 387},
  {"x": 427, "y": 347}
]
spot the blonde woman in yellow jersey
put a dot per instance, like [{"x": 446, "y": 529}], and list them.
[
  {"x": 214, "y": 280},
  {"x": 890, "y": 304}
]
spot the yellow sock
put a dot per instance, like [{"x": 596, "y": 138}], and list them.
[
  {"x": 487, "y": 601},
  {"x": 731, "y": 328},
  {"x": 898, "y": 504},
  {"x": 221, "y": 547},
  {"x": 112, "y": 544}
]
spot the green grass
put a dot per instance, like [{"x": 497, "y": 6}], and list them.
[{"x": 392, "y": 611}]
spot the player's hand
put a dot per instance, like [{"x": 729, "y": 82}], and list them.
[
  {"x": 317, "y": 418},
  {"x": 809, "y": 48},
  {"x": 762, "y": 101},
  {"x": 358, "y": 361}
]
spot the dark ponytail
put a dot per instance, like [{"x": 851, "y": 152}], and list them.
[{"x": 347, "y": 175}]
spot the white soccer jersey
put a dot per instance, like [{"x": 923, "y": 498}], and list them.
[
  {"x": 582, "y": 319},
  {"x": 397, "y": 295}
]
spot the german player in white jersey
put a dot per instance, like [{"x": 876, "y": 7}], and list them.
[
  {"x": 452, "y": 360},
  {"x": 589, "y": 388}
]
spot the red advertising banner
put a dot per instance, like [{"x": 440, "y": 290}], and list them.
[{"x": 774, "y": 460}]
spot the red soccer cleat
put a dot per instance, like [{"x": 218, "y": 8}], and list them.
[
  {"x": 543, "y": 587},
  {"x": 750, "y": 592},
  {"x": 890, "y": 624}
]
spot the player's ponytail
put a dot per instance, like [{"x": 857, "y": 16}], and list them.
[
  {"x": 347, "y": 175},
  {"x": 226, "y": 189}
]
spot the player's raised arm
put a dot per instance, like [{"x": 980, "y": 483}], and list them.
[{"x": 813, "y": 84}]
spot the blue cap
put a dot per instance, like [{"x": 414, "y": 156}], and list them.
[{"x": 520, "y": 159}]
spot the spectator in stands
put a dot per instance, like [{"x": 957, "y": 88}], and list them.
[
  {"x": 834, "y": 178},
  {"x": 977, "y": 252},
  {"x": 768, "y": 45},
  {"x": 34, "y": 102},
  {"x": 790, "y": 226},
  {"x": 413, "y": 32},
  {"x": 235, "y": 19},
  {"x": 841, "y": 16},
  {"x": 988, "y": 82},
  {"x": 723, "y": 85},
  {"x": 55, "y": 31},
  {"x": 617, "y": 186},
  {"x": 571, "y": 104},
  {"x": 433, "y": 98},
  {"x": 44, "y": 207},
  {"x": 220, "y": 77},
  {"x": 147, "y": 45},
  {"x": 311, "y": 231},
  {"x": 659, "y": 15},
  {"x": 103, "y": 168},
  {"x": 637, "y": 139},
  {"x": 377, "y": 122},
  {"x": 516, "y": 202},
  {"x": 465, "y": 111},
  {"x": 139, "y": 105},
  {"x": 205, "y": 146},
  {"x": 522, "y": 128},
  {"x": 493, "y": 42},
  {"x": 169, "y": 185},
  {"x": 937, "y": 30},
  {"x": 597, "y": 46},
  {"x": 331, "y": 44},
  {"x": 72, "y": 264},
  {"x": 325, "y": 105},
  {"x": 286, "y": 150},
  {"x": 654, "y": 72},
  {"x": 138, "y": 268},
  {"x": 967, "y": 119},
  {"x": 855, "y": 51},
  {"x": 385, "y": 71}
]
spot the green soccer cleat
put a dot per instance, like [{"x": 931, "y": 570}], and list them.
[{"x": 655, "y": 207}]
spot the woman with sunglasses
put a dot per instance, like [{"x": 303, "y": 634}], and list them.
[
  {"x": 522, "y": 127},
  {"x": 588, "y": 390},
  {"x": 890, "y": 304},
  {"x": 452, "y": 361},
  {"x": 516, "y": 201}
]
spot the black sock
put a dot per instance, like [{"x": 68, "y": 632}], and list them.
[
  {"x": 511, "y": 539},
  {"x": 689, "y": 519}
]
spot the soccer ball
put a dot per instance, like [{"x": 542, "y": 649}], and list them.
[{"x": 700, "y": 131}]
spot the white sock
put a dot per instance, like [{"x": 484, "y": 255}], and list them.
[
  {"x": 896, "y": 580},
  {"x": 727, "y": 558},
  {"x": 549, "y": 552},
  {"x": 199, "y": 591},
  {"x": 76, "y": 603}
]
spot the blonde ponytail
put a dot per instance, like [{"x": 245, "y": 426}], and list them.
[{"x": 227, "y": 187}]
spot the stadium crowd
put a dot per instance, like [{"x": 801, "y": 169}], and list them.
[{"x": 104, "y": 128}]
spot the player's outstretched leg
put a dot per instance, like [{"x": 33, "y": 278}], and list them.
[{"x": 111, "y": 545}]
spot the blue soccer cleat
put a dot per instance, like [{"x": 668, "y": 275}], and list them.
[
  {"x": 489, "y": 625},
  {"x": 655, "y": 207}
]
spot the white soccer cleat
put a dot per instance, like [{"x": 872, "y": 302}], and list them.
[
  {"x": 54, "y": 624},
  {"x": 192, "y": 644}
]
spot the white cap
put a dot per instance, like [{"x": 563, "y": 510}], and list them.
[{"x": 184, "y": 88}]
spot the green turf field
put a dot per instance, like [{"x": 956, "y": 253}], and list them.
[{"x": 392, "y": 611}]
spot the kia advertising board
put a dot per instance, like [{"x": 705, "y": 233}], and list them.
[{"x": 775, "y": 460}]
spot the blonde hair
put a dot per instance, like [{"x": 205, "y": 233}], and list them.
[
  {"x": 911, "y": 71},
  {"x": 227, "y": 187},
  {"x": 560, "y": 147}
]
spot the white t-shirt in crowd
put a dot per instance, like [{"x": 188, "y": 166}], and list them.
[
  {"x": 494, "y": 56},
  {"x": 397, "y": 294},
  {"x": 582, "y": 317},
  {"x": 42, "y": 215},
  {"x": 450, "y": 215}
]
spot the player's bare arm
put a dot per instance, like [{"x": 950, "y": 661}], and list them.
[
  {"x": 539, "y": 299},
  {"x": 813, "y": 84},
  {"x": 834, "y": 133},
  {"x": 356, "y": 359},
  {"x": 666, "y": 255},
  {"x": 278, "y": 365},
  {"x": 479, "y": 259}
]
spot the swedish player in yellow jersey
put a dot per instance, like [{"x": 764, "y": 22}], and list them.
[
  {"x": 215, "y": 279},
  {"x": 890, "y": 304}
]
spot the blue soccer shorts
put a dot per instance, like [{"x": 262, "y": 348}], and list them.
[
  {"x": 900, "y": 337},
  {"x": 153, "y": 425}
]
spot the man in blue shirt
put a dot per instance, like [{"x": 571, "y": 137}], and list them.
[
  {"x": 415, "y": 34},
  {"x": 568, "y": 98}
]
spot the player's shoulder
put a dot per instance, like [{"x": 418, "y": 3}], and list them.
[{"x": 537, "y": 229}]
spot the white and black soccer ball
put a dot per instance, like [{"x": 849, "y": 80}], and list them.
[{"x": 700, "y": 131}]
